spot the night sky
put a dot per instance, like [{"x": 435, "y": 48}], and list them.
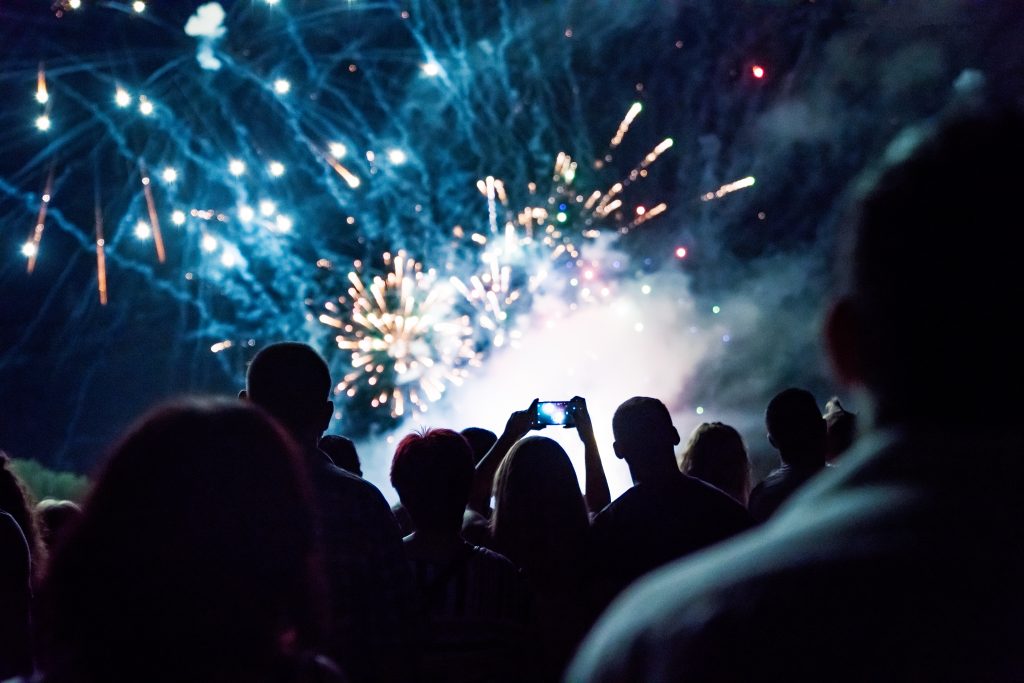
[{"x": 427, "y": 99}]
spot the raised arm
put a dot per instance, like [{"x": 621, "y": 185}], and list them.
[
  {"x": 519, "y": 423},
  {"x": 596, "y": 494}
]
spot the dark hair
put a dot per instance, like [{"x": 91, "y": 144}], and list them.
[
  {"x": 194, "y": 555},
  {"x": 715, "y": 453},
  {"x": 540, "y": 519},
  {"x": 432, "y": 472},
  {"x": 934, "y": 266},
  {"x": 16, "y": 501},
  {"x": 640, "y": 421},
  {"x": 480, "y": 440},
  {"x": 343, "y": 452},
  {"x": 55, "y": 516},
  {"x": 796, "y": 427},
  {"x": 291, "y": 381}
]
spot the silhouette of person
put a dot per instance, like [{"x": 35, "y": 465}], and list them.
[
  {"x": 15, "y": 600},
  {"x": 476, "y": 524},
  {"x": 905, "y": 562},
  {"x": 842, "y": 428},
  {"x": 342, "y": 453},
  {"x": 371, "y": 587},
  {"x": 797, "y": 429},
  {"x": 716, "y": 455},
  {"x": 195, "y": 558},
  {"x": 474, "y": 599},
  {"x": 666, "y": 514}
]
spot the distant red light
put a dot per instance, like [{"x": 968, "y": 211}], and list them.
[{"x": 757, "y": 71}]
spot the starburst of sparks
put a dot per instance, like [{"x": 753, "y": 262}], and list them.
[{"x": 405, "y": 339}]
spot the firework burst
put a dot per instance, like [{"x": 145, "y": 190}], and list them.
[{"x": 405, "y": 340}]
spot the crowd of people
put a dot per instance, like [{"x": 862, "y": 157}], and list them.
[{"x": 229, "y": 539}]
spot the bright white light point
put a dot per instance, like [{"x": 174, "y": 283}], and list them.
[
  {"x": 42, "y": 97},
  {"x": 178, "y": 218},
  {"x": 646, "y": 289},
  {"x": 716, "y": 310},
  {"x": 228, "y": 259},
  {"x": 639, "y": 327},
  {"x": 143, "y": 231},
  {"x": 145, "y": 106},
  {"x": 276, "y": 169},
  {"x": 397, "y": 157},
  {"x": 169, "y": 175},
  {"x": 284, "y": 224},
  {"x": 574, "y": 282},
  {"x": 337, "y": 150},
  {"x": 271, "y": 2},
  {"x": 640, "y": 211},
  {"x": 74, "y": 4},
  {"x": 236, "y": 167},
  {"x": 282, "y": 86},
  {"x": 431, "y": 69},
  {"x": 588, "y": 274},
  {"x": 43, "y": 122},
  {"x": 29, "y": 249},
  {"x": 680, "y": 252},
  {"x": 122, "y": 98},
  {"x": 370, "y": 156},
  {"x": 561, "y": 216},
  {"x": 139, "y": 6},
  {"x": 209, "y": 243},
  {"x": 246, "y": 214},
  {"x": 700, "y": 410},
  {"x": 267, "y": 208}
]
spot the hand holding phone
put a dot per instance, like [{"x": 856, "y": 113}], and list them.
[{"x": 561, "y": 413}]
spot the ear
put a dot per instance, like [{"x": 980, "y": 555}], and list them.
[
  {"x": 618, "y": 451},
  {"x": 675, "y": 437},
  {"x": 843, "y": 329},
  {"x": 244, "y": 395}
]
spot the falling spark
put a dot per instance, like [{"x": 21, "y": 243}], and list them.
[
  {"x": 624, "y": 126},
  {"x": 154, "y": 220},
  {"x": 221, "y": 346},
  {"x": 728, "y": 188},
  {"x": 37, "y": 231},
  {"x": 42, "y": 96},
  {"x": 101, "y": 259}
]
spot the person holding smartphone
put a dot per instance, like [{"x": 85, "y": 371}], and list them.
[{"x": 541, "y": 522}]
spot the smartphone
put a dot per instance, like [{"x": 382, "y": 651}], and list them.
[{"x": 555, "y": 413}]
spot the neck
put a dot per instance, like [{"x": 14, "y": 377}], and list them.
[{"x": 653, "y": 470}]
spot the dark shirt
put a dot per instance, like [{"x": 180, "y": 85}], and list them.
[
  {"x": 904, "y": 564},
  {"x": 15, "y": 598},
  {"x": 767, "y": 496},
  {"x": 475, "y": 606},
  {"x": 652, "y": 524},
  {"x": 373, "y": 600}
]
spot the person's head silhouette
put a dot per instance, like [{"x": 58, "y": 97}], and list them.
[
  {"x": 194, "y": 558},
  {"x": 931, "y": 262},
  {"x": 715, "y": 453},
  {"x": 796, "y": 427},
  {"x": 291, "y": 381},
  {"x": 432, "y": 472},
  {"x": 645, "y": 437}
]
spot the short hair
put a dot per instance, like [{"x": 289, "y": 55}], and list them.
[
  {"x": 642, "y": 420},
  {"x": 795, "y": 424},
  {"x": 715, "y": 453},
  {"x": 933, "y": 264},
  {"x": 432, "y": 472},
  {"x": 202, "y": 515},
  {"x": 289, "y": 380},
  {"x": 342, "y": 451},
  {"x": 480, "y": 440}
]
